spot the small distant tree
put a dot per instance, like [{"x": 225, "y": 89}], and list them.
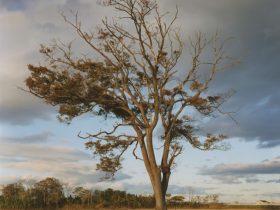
[
  {"x": 49, "y": 192},
  {"x": 13, "y": 195},
  {"x": 206, "y": 199},
  {"x": 176, "y": 200},
  {"x": 214, "y": 198},
  {"x": 85, "y": 195},
  {"x": 134, "y": 78}
]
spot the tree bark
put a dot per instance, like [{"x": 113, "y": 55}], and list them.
[
  {"x": 159, "y": 193},
  {"x": 160, "y": 202}
]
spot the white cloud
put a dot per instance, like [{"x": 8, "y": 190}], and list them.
[
  {"x": 42, "y": 152},
  {"x": 35, "y": 138},
  {"x": 67, "y": 164},
  {"x": 265, "y": 167}
]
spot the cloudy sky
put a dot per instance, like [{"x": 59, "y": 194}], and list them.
[{"x": 35, "y": 145}]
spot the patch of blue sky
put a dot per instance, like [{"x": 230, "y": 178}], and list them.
[{"x": 14, "y": 5}]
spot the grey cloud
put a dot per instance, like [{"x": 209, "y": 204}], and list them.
[
  {"x": 265, "y": 167},
  {"x": 252, "y": 180},
  {"x": 22, "y": 115},
  {"x": 86, "y": 175},
  {"x": 175, "y": 189},
  {"x": 36, "y": 138},
  {"x": 138, "y": 188},
  {"x": 49, "y": 27},
  {"x": 172, "y": 189},
  {"x": 20, "y": 108},
  {"x": 231, "y": 195},
  {"x": 42, "y": 152},
  {"x": 254, "y": 24},
  {"x": 268, "y": 143},
  {"x": 235, "y": 179},
  {"x": 269, "y": 195},
  {"x": 249, "y": 190},
  {"x": 255, "y": 123},
  {"x": 16, "y": 106},
  {"x": 227, "y": 179},
  {"x": 273, "y": 181},
  {"x": 4, "y": 159}
]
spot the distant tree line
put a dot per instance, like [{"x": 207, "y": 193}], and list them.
[
  {"x": 51, "y": 193},
  {"x": 45, "y": 193}
]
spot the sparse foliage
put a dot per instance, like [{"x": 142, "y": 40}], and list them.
[
  {"x": 135, "y": 78},
  {"x": 49, "y": 192}
]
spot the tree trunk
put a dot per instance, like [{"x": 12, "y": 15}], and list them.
[
  {"x": 160, "y": 202},
  {"x": 160, "y": 198},
  {"x": 159, "y": 193}
]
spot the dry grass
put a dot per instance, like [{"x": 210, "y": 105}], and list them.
[
  {"x": 226, "y": 208},
  {"x": 80, "y": 208}
]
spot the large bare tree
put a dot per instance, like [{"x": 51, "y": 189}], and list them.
[{"x": 134, "y": 78}]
